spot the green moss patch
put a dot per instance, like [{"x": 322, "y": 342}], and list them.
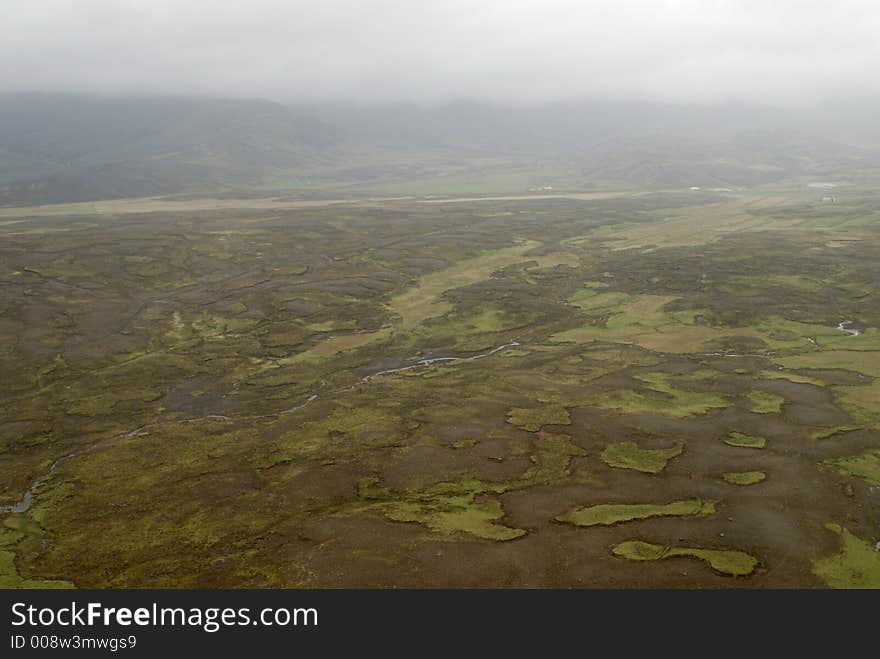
[
  {"x": 745, "y": 441},
  {"x": 628, "y": 455},
  {"x": 856, "y": 566},
  {"x": 607, "y": 514},
  {"x": 534, "y": 418},
  {"x": 744, "y": 477},
  {"x": 14, "y": 529},
  {"x": 361, "y": 424},
  {"x": 467, "y": 505},
  {"x": 825, "y": 433},
  {"x": 10, "y": 578},
  {"x": 332, "y": 326},
  {"x": 660, "y": 397},
  {"x": 864, "y": 362},
  {"x": 551, "y": 461},
  {"x": 446, "y": 508},
  {"x": 865, "y": 466},
  {"x": 457, "y": 515},
  {"x": 861, "y": 403},
  {"x": 725, "y": 561},
  {"x": 485, "y": 320},
  {"x": 791, "y": 377},
  {"x": 103, "y": 404},
  {"x": 764, "y": 402}
]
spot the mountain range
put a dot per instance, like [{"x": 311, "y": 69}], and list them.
[{"x": 62, "y": 148}]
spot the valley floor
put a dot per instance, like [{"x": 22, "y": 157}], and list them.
[{"x": 626, "y": 390}]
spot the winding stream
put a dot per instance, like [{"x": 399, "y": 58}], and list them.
[
  {"x": 440, "y": 360},
  {"x": 843, "y": 328},
  {"x": 27, "y": 500},
  {"x": 25, "y": 503}
]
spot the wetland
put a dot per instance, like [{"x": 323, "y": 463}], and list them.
[{"x": 661, "y": 389}]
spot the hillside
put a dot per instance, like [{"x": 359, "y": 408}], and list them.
[
  {"x": 67, "y": 148},
  {"x": 56, "y": 148}
]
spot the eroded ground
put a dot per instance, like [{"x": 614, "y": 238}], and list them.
[{"x": 657, "y": 390}]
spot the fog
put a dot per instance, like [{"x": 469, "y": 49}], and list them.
[{"x": 511, "y": 51}]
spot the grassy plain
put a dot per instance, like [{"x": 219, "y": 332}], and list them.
[{"x": 466, "y": 391}]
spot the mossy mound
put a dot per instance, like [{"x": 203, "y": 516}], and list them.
[
  {"x": 744, "y": 477},
  {"x": 865, "y": 466},
  {"x": 628, "y": 455},
  {"x": 725, "y": 561},
  {"x": 856, "y": 566},
  {"x": 607, "y": 514},
  {"x": 745, "y": 441},
  {"x": 660, "y": 397},
  {"x": 535, "y": 418},
  {"x": 764, "y": 402}
]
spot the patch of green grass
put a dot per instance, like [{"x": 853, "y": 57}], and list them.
[
  {"x": 331, "y": 326},
  {"x": 607, "y": 514},
  {"x": 861, "y": 403},
  {"x": 424, "y": 300},
  {"x": 353, "y": 427},
  {"x": 868, "y": 340},
  {"x": 582, "y": 298},
  {"x": 292, "y": 271},
  {"x": 625, "y": 318},
  {"x": 476, "y": 519},
  {"x": 9, "y": 577},
  {"x": 622, "y": 354},
  {"x": 450, "y": 515},
  {"x": 535, "y": 418},
  {"x": 464, "y": 443},
  {"x": 725, "y": 561},
  {"x": 232, "y": 307},
  {"x": 866, "y": 362},
  {"x": 780, "y": 333},
  {"x": 9, "y": 536},
  {"x": 764, "y": 402},
  {"x": 447, "y": 507},
  {"x": 628, "y": 455},
  {"x": 481, "y": 321},
  {"x": 745, "y": 441},
  {"x": 217, "y": 327},
  {"x": 661, "y": 398},
  {"x": 744, "y": 477},
  {"x": 825, "y": 433},
  {"x": 865, "y": 466},
  {"x": 856, "y": 566},
  {"x": 103, "y": 404},
  {"x": 465, "y": 505},
  {"x": 551, "y": 461},
  {"x": 591, "y": 300},
  {"x": 794, "y": 281},
  {"x": 791, "y": 377},
  {"x": 14, "y": 529},
  {"x": 461, "y": 326},
  {"x": 336, "y": 345},
  {"x": 787, "y": 281}
]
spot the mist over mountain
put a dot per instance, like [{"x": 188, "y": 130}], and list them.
[
  {"x": 67, "y": 148},
  {"x": 60, "y": 148}
]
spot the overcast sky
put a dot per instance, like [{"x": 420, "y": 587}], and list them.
[{"x": 766, "y": 51}]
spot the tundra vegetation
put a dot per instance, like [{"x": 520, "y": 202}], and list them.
[{"x": 447, "y": 392}]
